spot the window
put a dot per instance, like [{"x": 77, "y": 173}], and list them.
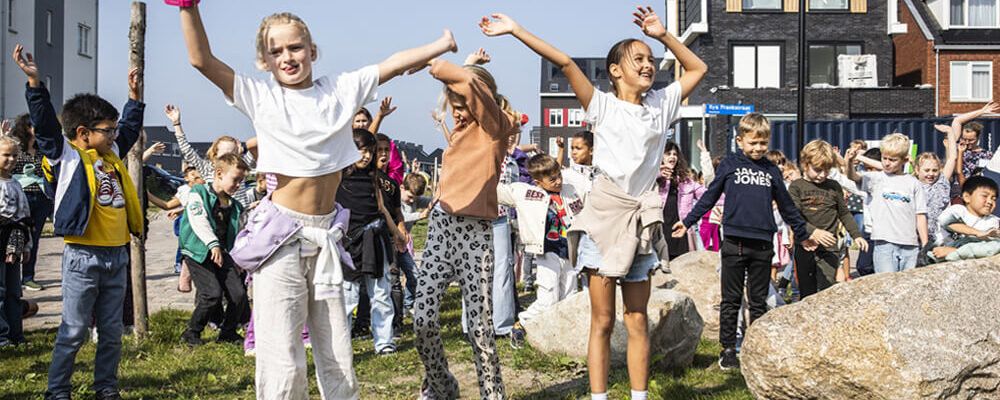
[
  {"x": 971, "y": 81},
  {"x": 555, "y": 117},
  {"x": 574, "y": 117},
  {"x": 83, "y": 45},
  {"x": 823, "y": 61},
  {"x": 554, "y": 87},
  {"x": 761, "y": 5},
  {"x": 48, "y": 27},
  {"x": 973, "y": 13},
  {"x": 829, "y": 5},
  {"x": 756, "y": 66}
]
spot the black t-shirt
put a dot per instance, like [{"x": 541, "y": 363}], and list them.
[
  {"x": 357, "y": 194},
  {"x": 221, "y": 216}
]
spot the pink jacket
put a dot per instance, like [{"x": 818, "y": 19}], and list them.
[{"x": 688, "y": 192}]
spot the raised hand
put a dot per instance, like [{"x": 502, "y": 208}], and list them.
[
  {"x": 133, "y": 84},
  {"x": 436, "y": 116},
  {"x": 448, "y": 37},
  {"x": 649, "y": 22},
  {"x": 991, "y": 108},
  {"x": 173, "y": 114},
  {"x": 502, "y": 25},
  {"x": 26, "y": 62},
  {"x": 158, "y": 147},
  {"x": 479, "y": 57},
  {"x": 560, "y": 142},
  {"x": 5, "y": 127},
  {"x": 701, "y": 146},
  {"x": 386, "y": 107}
]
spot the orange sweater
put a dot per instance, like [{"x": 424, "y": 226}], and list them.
[{"x": 470, "y": 169}]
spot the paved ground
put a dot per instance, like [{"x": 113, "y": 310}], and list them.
[{"x": 161, "y": 282}]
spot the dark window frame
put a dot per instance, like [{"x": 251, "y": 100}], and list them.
[{"x": 836, "y": 65}]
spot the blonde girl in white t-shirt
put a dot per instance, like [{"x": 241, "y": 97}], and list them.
[
  {"x": 304, "y": 129},
  {"x": 630, "y": 130}
]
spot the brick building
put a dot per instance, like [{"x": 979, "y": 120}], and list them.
[
  {"x": 953, "y": 47},
  {"x": 751, "y": 47}
]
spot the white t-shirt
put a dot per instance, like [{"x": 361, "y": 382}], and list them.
[
  {"x": 895, "y": 202},
  {"x": 958, "y": 213},
  {"x": 305, "y": 132},
  {"x": 629, "y": 138}
]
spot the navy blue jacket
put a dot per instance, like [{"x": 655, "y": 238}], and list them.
[{"x": 750, "y": 187}]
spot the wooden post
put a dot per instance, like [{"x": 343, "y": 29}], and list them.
[{"x": 136, "y": 59}]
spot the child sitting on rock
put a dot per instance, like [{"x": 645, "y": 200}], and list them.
[{"x": 972, "y": 223}]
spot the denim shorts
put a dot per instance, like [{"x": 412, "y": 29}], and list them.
[{"x": 589, "y": 257}]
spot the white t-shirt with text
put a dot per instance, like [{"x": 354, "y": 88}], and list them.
[
  {"x": 629, "y": 138},
  {"x": 305, "y": 132}
]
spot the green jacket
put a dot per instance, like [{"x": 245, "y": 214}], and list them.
[{"x": 197, "y": 230}]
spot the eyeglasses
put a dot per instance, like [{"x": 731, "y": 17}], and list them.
[{"x": 109, "y": 132}]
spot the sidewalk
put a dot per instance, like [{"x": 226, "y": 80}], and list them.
[{"x": 161, "y": 282}]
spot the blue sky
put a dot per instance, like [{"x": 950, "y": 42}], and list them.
[{"x": 351, "y": 35}]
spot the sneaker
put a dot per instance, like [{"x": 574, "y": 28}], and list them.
[
  {"x": 307, "y": 343},
  {"x": 426, "y": 393},
  {"x": 229, "y": 337},
  {"x": 251, "y": 352},
  {"x": 192, "y": 338},
  {"x": 728, "y": 359},
  {"x": 32, "y": 286},
  {"x": 386, "y": 351},
  {"x": 58, "y": 396},
  {"x": 108, "y": 394},
  {"x": 93, "y": 334},
  {"x": 517, "y": 336}
]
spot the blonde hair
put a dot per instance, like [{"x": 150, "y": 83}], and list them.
[
  {"x": 277, "y": 19},
  {"x": 487, "y": 79},
  {"x": 861, "y": 143},
  {"x": 213, "y": 150},
  {"x": 895, "y": 145},
  {"x": 928, "y": 156},
  {"x": 754, "y": 124},
  {"x": 227, "y": 162},
  {"x": 10, "y": 141},
  {"x": 817, "y": 153}
]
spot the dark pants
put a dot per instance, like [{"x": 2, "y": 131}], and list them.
[
  {"x": 815, "y": 270},
  {"x": 41, "y": 209},
  {"x": 743, "y": 260},
  {"x": 214, "y": 282},
  {"x": 865, "y": 265},
  {"x": 10, "y": 304}
]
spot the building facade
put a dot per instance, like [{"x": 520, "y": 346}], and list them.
[
  {"x": 62, "y": 36},
  {"x": 953, "y": 47}
]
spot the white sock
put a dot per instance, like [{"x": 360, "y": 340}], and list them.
[
  {"x": 599, "y": 396},
  {"x": 638, "y": 395}
]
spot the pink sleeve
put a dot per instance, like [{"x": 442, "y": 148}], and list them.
[{"x": 395, "y": 168}]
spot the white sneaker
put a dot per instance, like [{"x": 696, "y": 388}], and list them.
[
  {"x": 252, "y": 352},
  {"x": 93, "y": 334}
]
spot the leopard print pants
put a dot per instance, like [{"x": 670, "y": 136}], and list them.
[{"x": 457, "y": 248}]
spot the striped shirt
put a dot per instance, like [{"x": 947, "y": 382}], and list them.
[{"x": 207, "y": 169}]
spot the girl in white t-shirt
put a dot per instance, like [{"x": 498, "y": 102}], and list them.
[
  {"x": 630, "y": 126},
  {"x": 304, "y": 129}
]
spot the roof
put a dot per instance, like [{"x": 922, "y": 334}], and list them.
[{"x": 930, "y": 25}]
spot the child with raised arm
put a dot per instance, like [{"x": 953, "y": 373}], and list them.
[
  {"x": 97, "y": 209},
  {"x": 630, "y": 130},
  {"x": 460, "y": 229},
  {"x": 304, "y": 130},
  {"x": 898, "y": 207}
]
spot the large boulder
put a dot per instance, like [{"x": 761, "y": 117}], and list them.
[
  {"x": 695, "y": 275},
  {"x": 929, "y": 333},
  {"x": 674, "y": 328}
]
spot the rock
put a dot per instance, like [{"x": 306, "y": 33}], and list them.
[
  {"x": 674, "y": 328},
  {"x": 695, "y": 275},
  {"x": 929, "y": 333}
]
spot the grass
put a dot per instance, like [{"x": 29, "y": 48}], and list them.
[{"x": 160, "y": 367}]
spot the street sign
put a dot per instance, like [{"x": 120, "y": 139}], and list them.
[{"x": 728, "y": 109}]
